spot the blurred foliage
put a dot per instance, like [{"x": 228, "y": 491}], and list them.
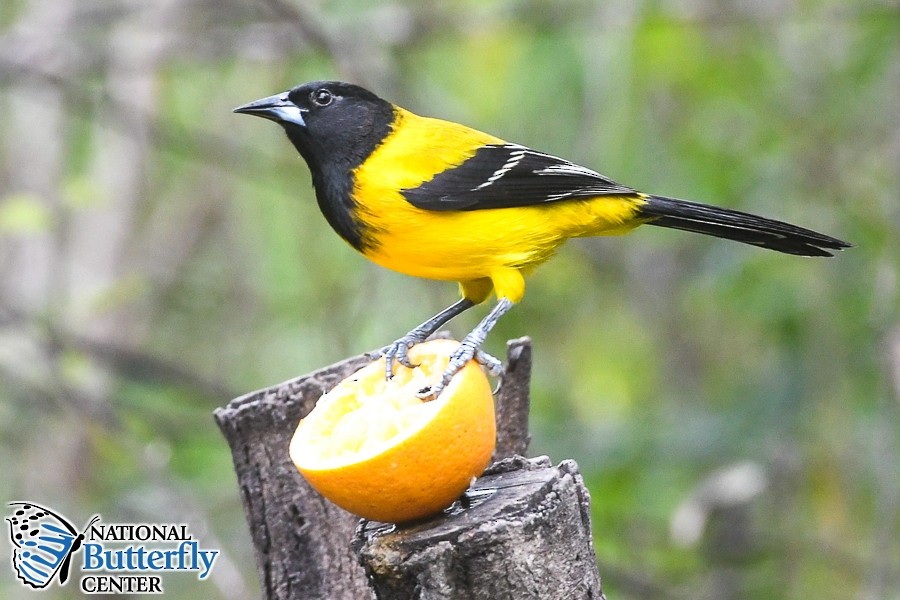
[{"x": 160, "y": 255}]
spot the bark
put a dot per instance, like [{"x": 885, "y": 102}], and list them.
[
  {"x": 301, "y": 539},
  {"x": 527, "y": 534}
]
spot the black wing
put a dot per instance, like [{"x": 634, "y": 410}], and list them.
[{"x": 507, "y": 175}]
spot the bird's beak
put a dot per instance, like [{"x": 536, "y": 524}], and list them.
[{"x": 275, "y": 108}]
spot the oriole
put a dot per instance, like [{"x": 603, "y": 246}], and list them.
[{"x": 436, "y": 199}]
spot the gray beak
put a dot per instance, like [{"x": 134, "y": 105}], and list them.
[{"x": 275, "y": 108}]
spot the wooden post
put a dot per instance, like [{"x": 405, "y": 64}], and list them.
[
  {"x": 301, "y": 539},
  {"x": 525, "y": 532},
  {"x": 526, "y": 535}
]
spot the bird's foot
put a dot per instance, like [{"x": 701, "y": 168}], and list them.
[
  {"x": 467, "y": 350},
  {"x": 399, "y": 352},
  {"x": 489, "y": 362}
]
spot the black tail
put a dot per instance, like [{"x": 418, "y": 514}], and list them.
[{"x": 738, "y": 226}]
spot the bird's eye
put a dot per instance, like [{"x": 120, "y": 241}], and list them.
[{"x": 322, "y": 97}]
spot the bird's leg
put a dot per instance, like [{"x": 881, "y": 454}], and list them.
[
  {"x": 471, "y": 344},
  {"x": 399, "y": 350}
]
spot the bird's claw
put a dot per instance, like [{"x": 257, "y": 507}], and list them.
[
  {"x": 489, "y": 362},
  {"x": 398, "y": 351},
  {"x": 466, "y": 352}
]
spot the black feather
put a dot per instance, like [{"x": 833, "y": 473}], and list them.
[
  {"x": 738, "y": 226},
  {"x": 335, "y": 140},
  {"x": 509, "y": 175}
]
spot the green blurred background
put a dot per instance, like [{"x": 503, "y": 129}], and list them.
[{"x": 734, "y": 411}]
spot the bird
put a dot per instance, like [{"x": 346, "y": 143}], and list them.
[{"x": 438, "y": 200}]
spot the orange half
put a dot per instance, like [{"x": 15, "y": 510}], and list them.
[{"x": 376, "y": 449}]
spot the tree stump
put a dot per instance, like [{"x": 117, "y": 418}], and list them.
[
  {"x": 526, "y": 534},
  {"x": 301, "y": 539},
  {"x": 522, "y": 531}
]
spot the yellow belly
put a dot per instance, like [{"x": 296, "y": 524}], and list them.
[{"x": 468, "y": 245}]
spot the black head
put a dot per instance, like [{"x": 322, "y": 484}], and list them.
[
  {"x": 335, "y": 126},
  {"x": 332, "y": 124}
]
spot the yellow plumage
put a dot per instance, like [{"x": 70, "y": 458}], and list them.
[{"x": 466, "y": 246}]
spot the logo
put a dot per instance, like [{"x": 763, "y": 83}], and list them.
[
  {"x": 117, "y": 558},
  {"x": 44, "y": 544}
]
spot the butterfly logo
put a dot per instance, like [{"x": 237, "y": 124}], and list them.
[{"x": 44, "y": 543}]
